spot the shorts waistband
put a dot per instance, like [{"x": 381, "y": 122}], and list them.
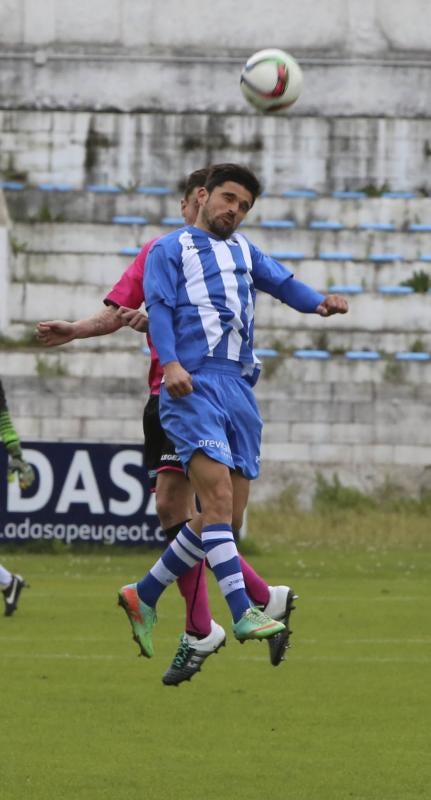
[{"x": 222, "y": 365}]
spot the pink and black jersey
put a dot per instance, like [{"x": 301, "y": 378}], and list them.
[{"x": 129, "y": 292}]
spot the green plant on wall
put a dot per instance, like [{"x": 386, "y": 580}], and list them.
[
  {"x": 17, "y": 246},
  {"x": 50, "y": 369},
  {"x": 420, "y": 281}
]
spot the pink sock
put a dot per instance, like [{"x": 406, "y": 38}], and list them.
[
  {"x": 256, "y": 587},
  {"x": 193, "y": 587}
]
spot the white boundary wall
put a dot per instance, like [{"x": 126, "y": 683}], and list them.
[
  {"x": 359, "y": 56},
  {"x": 4, "y": 264}
]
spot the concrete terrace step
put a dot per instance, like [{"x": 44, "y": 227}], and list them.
[
  {"x": 375, "y": 312},
  {"x": 110, "y": 238},
  {"x": 101, "y": 270},
  {"x": 76, "y": 408},
  {"x": 104, "y": 269},
  {"x": 367, "y": 312},
  {"x": 79, "y": 206},
  {"x": 324, "y": 337},
  {"x": 341, "y": 340},
  {"x": 335, "y": 370}
]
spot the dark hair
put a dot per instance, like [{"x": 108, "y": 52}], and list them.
[
  {"x": 195, "y": 179},
  {"x": 220, "y": 173}
]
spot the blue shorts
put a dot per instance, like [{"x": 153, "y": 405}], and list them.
[{"x": 220, "y": 417}]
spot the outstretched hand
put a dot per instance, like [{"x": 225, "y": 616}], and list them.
[
  {"x": 332, "y": 304},
  {"x": 54, "y": 332}
]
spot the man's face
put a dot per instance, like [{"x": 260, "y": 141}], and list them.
[
  {"x": 190, "y": 206},
  {"x": 224, "y": 209}
]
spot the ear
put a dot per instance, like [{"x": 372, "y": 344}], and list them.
[{"x": 202, "y": 195}]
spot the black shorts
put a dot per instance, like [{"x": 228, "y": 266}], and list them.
[{"x": 159, "y": 451}]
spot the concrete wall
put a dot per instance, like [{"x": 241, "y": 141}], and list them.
[
  {"x": 4, "y": 263},
  {"x": 81, "y": 148},
  {"x": 166, "y": 77}
]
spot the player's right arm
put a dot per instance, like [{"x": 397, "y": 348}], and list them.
[{"x": 160, "y": 285}]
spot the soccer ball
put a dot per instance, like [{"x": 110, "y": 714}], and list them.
[{"x": 271, "y": 80}]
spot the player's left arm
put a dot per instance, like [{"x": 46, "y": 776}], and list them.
[{"x": 273, "y": 278}]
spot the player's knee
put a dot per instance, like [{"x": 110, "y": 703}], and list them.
[
  {"x": 218, "y": 501},
  {"x": 166, "y": 511},
  {"x": 171, "y": 508}
]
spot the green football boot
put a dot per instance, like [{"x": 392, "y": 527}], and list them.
[
  {"x": 141, "y": 617},
  {"x": 255, "y": 624}
]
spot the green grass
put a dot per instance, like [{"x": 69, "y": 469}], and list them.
[{"x": 347, "y": 716}]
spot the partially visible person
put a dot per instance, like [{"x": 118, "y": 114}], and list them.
[
  {"x": 17, "y": 466},
  {"x": 200, "y": 286},
  {"x": 174, "y": 495},
  {"x": 11, "y": 586}
]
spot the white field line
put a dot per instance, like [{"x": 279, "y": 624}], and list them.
[
  {"x": 302, "y": 659},
  {"x": 163, "y": 638}
]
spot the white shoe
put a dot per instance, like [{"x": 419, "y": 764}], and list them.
[
  {"x": 192, "y": 653},
  {"x": 278, "y": 601},
  {"x": 211, "y": 643}
]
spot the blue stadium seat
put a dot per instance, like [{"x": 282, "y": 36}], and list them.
[
  {"x": 412, "y": 356},
  {"x": 336, "y": 256},
  {"x": 426, "y": 257},
  {"x": 399, "y": 195},
  {"x": 326, "y": 225},
  {"x": 266, "y": 352},
  {"x": 153, "y": 190},
  {"x": 177, "y": 222},
  {"x": 319, "y": 354},
  {"x": 278, "y": 223},
  {"x": 14, "y": 186},
  {"x": 382, "y": 257},
  {"x": 288, "y": 255},
  {"x": 396, "y": 289},
  {"x": 420, "y": 227},
  {"x": 362, "y": 355},
  {"x": 345, "y": 288},
  {"x": 377, "y": 226},
  {"x": 130, "y": 251},
  {"x": 345, "y": 195},
  {"x": 101, "y": 188},
  {"x": 129, "y": 219},
  {"x": 300, "y": 193},
  {"x": 55, "y": 187}
]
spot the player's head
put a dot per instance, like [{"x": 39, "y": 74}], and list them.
[
  {"x": 228, "y": 195},
  {"x": 219, "y": 174},
  {"x": 189, "y": 201}
]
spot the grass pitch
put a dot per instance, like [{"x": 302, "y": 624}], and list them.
[{"x": 346, "y": 717}]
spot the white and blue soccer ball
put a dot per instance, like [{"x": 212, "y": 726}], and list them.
[{"x": 271, "y": 80}]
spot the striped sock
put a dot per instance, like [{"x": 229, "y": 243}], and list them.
[
  {"x": 222, "y": 556},
  {"x": 183, "y": 553}
]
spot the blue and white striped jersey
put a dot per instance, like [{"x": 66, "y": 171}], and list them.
[{"x": 210, "y": 284}]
